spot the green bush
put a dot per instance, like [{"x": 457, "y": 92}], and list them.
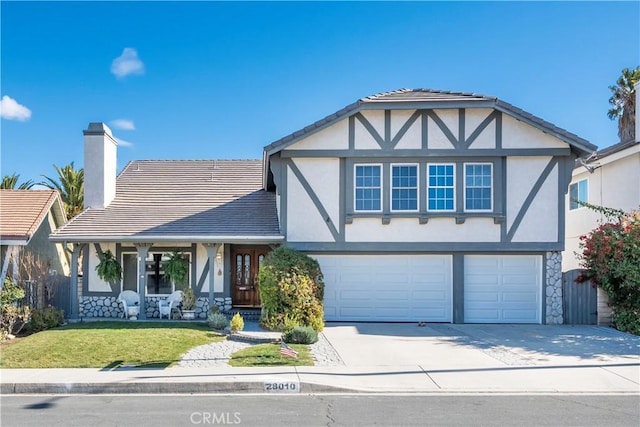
[
  {"x": 45, "y": 318},
  {"x": 291, "y": 290},
  {"x": 214, "y": 309},
  {"x": 301, "y": 335},
  {"x": 10, "y": 293},
  {"x": 237, "y": 323},
  {"x": 218, "y": 321},
  {"x": 627, "y": 320}
]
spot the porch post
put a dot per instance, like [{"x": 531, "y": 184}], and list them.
[
  {"x": 73, "y": 292},
  {"x": 212, "y": 250},
  {"x": 143, "y": 250}
]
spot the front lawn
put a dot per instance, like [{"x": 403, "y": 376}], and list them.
[
  {"x": 269, "y": 355},
  {"x": 107, "y": 344}
]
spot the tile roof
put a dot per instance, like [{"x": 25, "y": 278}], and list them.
[
  {"x": 431, "y": 98},
  {"x": 192, "y": 200},
  {"x": 22, "y": 212}
]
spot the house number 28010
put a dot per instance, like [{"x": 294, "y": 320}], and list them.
[{"x": 282, "y": 387}]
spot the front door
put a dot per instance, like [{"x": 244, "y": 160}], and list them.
[{"x": 246, "y": 261}]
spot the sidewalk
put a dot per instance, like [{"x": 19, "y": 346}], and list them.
[
  {"x": 392, "y": 358},
  {"x": 620, "y": 378}
]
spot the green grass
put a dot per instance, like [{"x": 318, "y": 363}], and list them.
[
  {"x": 269, "y": 355},
  {"x": 107, "y": 344}
]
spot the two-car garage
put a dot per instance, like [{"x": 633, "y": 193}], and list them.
[{"x": 419, "y": 287}]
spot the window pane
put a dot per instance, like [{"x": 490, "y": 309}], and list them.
[
  {"x": 130, "y": 272},
  {"x": 478, "y": 187},
  {"x": 404, "y": 187},
  {"x": 367, "y": 188},
  {"x": 440, "y": 191}
]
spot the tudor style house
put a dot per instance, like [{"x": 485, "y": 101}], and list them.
[{"x": 420, "y": 205}]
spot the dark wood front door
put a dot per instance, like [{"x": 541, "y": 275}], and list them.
[{"x": 244, "y": 278}]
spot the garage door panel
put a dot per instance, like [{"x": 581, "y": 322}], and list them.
[
  {"x": 508, "y": 292},
  {"x": 387, "y": 287}
]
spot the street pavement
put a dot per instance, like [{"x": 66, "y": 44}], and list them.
[{"x": 394, "y": 358}]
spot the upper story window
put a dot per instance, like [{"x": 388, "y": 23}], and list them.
[
  {"x": 440, "y": 187},
  {"x": 578, "y": 192},
  {"x": 404, "y": 187},
  {"x": 478, "y": 187},
  {"x": 368, "y": 188}
]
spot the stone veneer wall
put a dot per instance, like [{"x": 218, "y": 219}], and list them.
[
  {"x": 109, "y": 307},
  {"x": 553, "y": 283}
]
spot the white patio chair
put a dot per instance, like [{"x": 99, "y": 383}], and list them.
[
  {"x": 130, "y": 301},
  {"x": 172, "y": 302}
]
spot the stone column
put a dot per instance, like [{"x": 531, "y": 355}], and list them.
[
  {"x": 143, "y": 250},
  {"x": 212, "y": 250},
  {"x": 77, "y": 247},
  {"x": 553, "y": 287}
]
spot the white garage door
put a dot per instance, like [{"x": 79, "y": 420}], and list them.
[
  {"x": 502, "y": 289},
  {"x": 396, "y": 288}
]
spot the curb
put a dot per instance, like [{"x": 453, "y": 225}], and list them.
[{"x": 161, "y": 388}]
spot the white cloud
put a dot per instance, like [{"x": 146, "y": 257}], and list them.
[
  {"x": 124, "y": 143},
  {"x": 127, "y": 63},
  {"x": 123, "y": 124},
  {"x": 11, "y": 110}
]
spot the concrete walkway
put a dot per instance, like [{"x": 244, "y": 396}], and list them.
[{"x": 406, "y": 358}]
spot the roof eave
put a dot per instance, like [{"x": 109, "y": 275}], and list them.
[
  {"x": 581, "y": 146},
  {"x": 247, "y": 239}
]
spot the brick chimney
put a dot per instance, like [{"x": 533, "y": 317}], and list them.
[{"x": 99, "y": 166}]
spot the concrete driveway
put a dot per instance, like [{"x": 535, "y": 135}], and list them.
[{"x": 442, "y": 346}]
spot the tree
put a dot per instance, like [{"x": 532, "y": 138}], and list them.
[
  {"x": 9, "y": 182},
  {"x": 623, "y": 102},
  {"x": 70, "y": 186}
]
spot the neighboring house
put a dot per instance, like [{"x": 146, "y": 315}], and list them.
[
  {"x": 27, "y": 217},
  {"x": 420, "y": 205},
  {"x": 611, "y": 178}
]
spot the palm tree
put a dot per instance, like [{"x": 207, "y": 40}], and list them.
[
  {"x": 623, "y": 102},
  {"x": 70, "y": 186},
  {"x": 9, "y": 182}
]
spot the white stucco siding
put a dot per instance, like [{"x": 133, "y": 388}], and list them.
[
  {"x": 304, "y": 222},
  {"x": 473, "y": 118},
  {"x": 323, "y": 175},
  {"x": 96, "y": 284},
  {"x": 412, "y": 139},
  {"x": 363, "y": 140},
  {"x": 436, "y": 137},
  {"x": 522, "y": 174},
  {"x": 540, "y": 222},
  {"x": 615, "y": 184},
  {"x": 516, "y": 134},
  {"x": 436, "y": 230},
  {"x": 201, "y": 259},
  {"x": 334, "y": 137}
]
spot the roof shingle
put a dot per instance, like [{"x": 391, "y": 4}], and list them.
[
  {"x": 22, "y": 212},
  {"x": 195, "y": 200}
]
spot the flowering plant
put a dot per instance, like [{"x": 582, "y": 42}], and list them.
[{"x": 611, "y": 257}]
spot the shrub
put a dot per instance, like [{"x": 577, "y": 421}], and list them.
[
  {"x": 291, "y": 290},
  {"x": 10, "y": 293},
  {"x": 214, "y": 309},
  {"x": 611, "y": 257},
  {"x": 237, "y": 323},
  {"x": 12, "y": 317},
  {"x": 218, "y": 321},
  {"x": 189, "y": 299},
  {"x": 46, "y": 318},
  {"x": 301, "y": 335}
]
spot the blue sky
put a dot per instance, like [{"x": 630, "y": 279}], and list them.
[{"x": 204, "y": 80}]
